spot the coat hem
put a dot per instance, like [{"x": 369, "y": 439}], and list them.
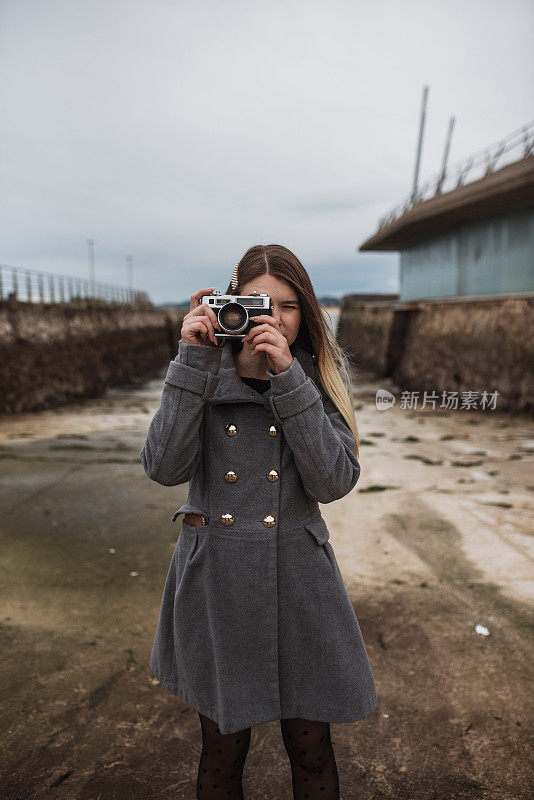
[{"x": 335, "y": 715}]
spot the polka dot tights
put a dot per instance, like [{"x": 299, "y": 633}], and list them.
[
  {"x": 307, "y": 743},
  {"x": 313, "y": 764},
  {"x": 220, "y": 771}
]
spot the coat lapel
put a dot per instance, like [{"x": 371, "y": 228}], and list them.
[{"x": 231, "y": 389}]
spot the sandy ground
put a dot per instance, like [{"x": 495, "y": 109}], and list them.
[{"x": 435, "y": 539}]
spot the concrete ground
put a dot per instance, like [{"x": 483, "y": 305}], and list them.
[{"x": 435, "y": 539}]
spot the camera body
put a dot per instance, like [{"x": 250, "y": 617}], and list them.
[{"x": 235, "y": 313}]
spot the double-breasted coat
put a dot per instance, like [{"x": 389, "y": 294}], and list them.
[{"x": 255, "y": 622}]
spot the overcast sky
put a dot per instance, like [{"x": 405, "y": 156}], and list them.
[{"x": 184, "y": 133}]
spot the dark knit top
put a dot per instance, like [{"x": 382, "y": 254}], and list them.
[{"x": 259, "y": 384}]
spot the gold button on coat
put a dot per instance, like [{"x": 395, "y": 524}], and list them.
[
  {"x": 272, "y": 475},
  {"x": 231, "y": 429},
  {"x": 231, "y": 476},
  {"x": 273, "y": 430},
  {"x": 269, "y": 521},
  {"x": 227, "y": 519}
]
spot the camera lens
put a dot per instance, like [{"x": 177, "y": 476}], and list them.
[{"x": 233, "y": 318}]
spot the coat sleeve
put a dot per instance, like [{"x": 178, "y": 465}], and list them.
[
  {"x": 322, "y": 443},
  {"x": 173, "y": 446}
]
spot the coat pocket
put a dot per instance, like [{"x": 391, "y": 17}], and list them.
[
  {"x": 189, "y": 549},
  {"x": 189, "y": 507},
  {"x": 319, "y": 530},
  {"x": 194, "y": 547}
]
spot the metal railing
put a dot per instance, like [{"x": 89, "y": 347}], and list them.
[
  {"x": 31, "y": 285},
  {"x": 518, "y": 145}
]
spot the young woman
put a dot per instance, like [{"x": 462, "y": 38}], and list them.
[{"x": 255, "y": 621}]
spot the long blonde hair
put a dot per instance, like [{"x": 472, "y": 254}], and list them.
[{"x": 315, "y": 335}]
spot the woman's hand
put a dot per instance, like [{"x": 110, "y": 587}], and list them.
[
  {"x": 265, "y": 335},
  {"x": 198, "y": 326}
]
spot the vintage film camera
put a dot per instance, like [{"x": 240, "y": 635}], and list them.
[{"x": 235, "y": 313}]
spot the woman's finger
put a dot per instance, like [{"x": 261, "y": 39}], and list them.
[
  {"x": 198, "y": 327},
  {"x": 209, "y": 315},
  {"x": 263, "y": 326},
  {"x": 269, "y": 349},
  {"x": 266, "y": 337},
  {"x": 195, "y": 298},
  {"x": 265, "y": 319},
  {"x": 202, "y": 312},
  {"x": 256, "y": 337},
  {"x": 212, "y": 315},
  {"x": 257, "y": 331},
  {"x": 193, "y": 335}
]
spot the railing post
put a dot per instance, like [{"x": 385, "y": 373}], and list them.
[
  {"x": 528, "y": 144},
  {"x": 521, "y": 141},
  {"x": 61, "y": 288}
]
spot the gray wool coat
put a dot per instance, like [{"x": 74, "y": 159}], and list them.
[{"x": 255, "y": 622}]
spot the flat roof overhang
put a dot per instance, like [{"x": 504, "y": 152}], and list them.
[{"x": 510, "y": 188}]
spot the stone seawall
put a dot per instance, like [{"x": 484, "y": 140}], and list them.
[
  {"x": 458, "y": 345},
  {"x": 51, "y": 354}
]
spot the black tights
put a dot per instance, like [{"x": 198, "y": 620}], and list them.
[{"x": 307, "y": 743}]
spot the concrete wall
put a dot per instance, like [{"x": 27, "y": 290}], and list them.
[
  {"x": 53, "y": 353},
  {"x": 490, "y": 256},
  {"x": 363, "y": 329},
  {"x": 478, "y": 345}
]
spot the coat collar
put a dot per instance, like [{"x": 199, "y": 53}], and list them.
[{"x": 231, "y": 389}]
